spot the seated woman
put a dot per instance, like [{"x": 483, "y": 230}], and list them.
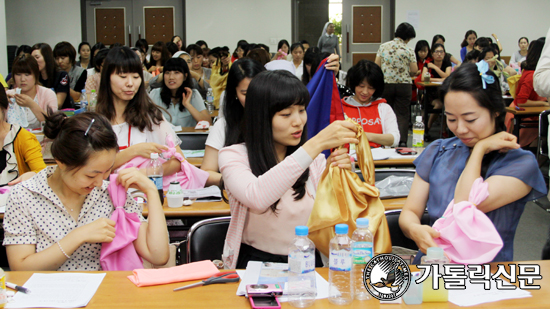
[
  {"x": 423, "y": 56},
  {"x": 242, "y": 47},
  {"x": 58, "y": 219},
  {"x": 84, "y": 51},
  {"x": 146, "y": 75},
  {"x": 220, "y": 67},
  {"x": 159, "y": 56},
  {"x": 35, "y": 98},
  {"x": 272, "y": 177},
  {"x": 182, "y": 105},
  {"x": 526, "y": 94},
  {"x": 440, "y": 39},
  {"x": 312, "y": 59},
  {"x": 447, "y": 168},
  {"x": 176, "y": 39},
  {"x": 21, "y": 155},
  {"x": 439, "y": 69},
  {"x": 23, "y": 49},
  {"x": 199, "y": 73},
  {"x": 95, "y": 49},
  {"x": 297, "y": 52},
  {"x": 93, "y": 81},
  {"x": 137, "y": 122},
  {"x": 65, "y": 56},
  {"x": 367, "y": 108},
  {"x": 227, "y": 130},
  {"x": 491, "y": 55},
  {"x": 467, "y": 44},
  {"x": 50, "y": 76},
  {"x": 519, "y": 56}
]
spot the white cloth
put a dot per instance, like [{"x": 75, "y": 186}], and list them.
[
  {"x": 280, "y": 65},
  {"x": 216, "y": 137},
  {"x": 541, "y": 78},
  {"x": 299, "y": 70}
]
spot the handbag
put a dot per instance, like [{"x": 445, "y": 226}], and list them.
[
  {"x": 120, "y": 254},
  {"x": 342, "y": 198},
  {"x": 466, "y": 234}
]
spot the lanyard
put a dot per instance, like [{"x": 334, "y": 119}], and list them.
[{"x": 129, "y": 135}]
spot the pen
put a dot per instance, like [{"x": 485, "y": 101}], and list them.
[{"x": 16, "y": 287}]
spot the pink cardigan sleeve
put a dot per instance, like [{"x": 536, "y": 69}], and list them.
[
  {"x": 258, "y": 193},
  {"x": 47, "y": 99}
]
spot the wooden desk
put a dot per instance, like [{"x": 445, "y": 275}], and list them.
[
  {"x": 519, "y": 116},
  {"x": 197, "y": 209},
  {"x": 116, "y": 291}
]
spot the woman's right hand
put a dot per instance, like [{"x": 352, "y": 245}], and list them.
[
  {"x": 152, "y": 69},
  {"x": 99, "y": 231},
  {"x": 146, "y": 149},
  {"x": 423, "y": 236},
  {"x": 335, "y": 135}
]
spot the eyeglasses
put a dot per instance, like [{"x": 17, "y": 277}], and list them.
[{"x": 439, "y": 52}]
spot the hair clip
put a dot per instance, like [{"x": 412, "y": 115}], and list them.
[
  {"x": 483, "y": 68},
  {"x": 92, "y": 122}
]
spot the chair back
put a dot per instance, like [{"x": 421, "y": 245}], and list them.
[
  {"x": 397, "y": 237},
  {"x": 206, "y": 238},
  {"x": 192, "y": 141},
  {"x": 542, "y": 144}
]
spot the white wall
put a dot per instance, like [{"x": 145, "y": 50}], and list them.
[
  {"x": 224, "y": 23},
  {"x": 3, "y": 60},
  {"x": 508, "y": 19},
  {"x": 50, "y": 21}
]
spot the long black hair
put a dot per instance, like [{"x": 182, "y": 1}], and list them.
[
  {"x": 465, "y": 41},
  {"x": 179, "y": 65},
  {"x": 313, "y": 58},
  {"x": 268, "y": 93},
  {"x": 97, "y": 46},
  {"x": 233, "y": 110},
  {"x": 420, "y": 45},
  {"x": 49, "y": 60},
  {"x": 533, "y": 53},
  {"x": 467, "y": 79}
]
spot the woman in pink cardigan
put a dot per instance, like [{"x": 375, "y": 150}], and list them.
[{"x": 272, "y": 177}]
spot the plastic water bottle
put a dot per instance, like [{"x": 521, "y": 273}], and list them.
[
  {"x": 92, "y": 102},
  {"x": 210, "y": 100},
  {"x": 83, "y": 100},
  {"x": 362, "y": 252},
  {"x": 155, "y": 172},
  {"x": 302, "y": 287},
  {"x": 434, "y": 256},
  {"x": 418, "y": 133},
  {"x": 340, "y": 290}
]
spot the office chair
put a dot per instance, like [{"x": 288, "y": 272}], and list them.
[{"x": 206, "y": 238}]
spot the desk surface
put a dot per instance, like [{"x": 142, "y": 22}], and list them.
[
  {"x": 116, "y": 291},
  {"x": 529, "y": 110}
]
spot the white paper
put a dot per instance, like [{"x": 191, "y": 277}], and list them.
[
  {"x": 475, "y": 294},
  {"x": 413, "y": 18},
  {"x": 382, "y": 153},
  {"x": 208, "y": 194},
  {"x": 252, "y": 276},
  {"x": 59, "y": 290},
  {"x": 193, "y": 153}
]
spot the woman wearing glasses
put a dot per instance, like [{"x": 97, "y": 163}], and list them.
[{"x": 439, "y": 69}]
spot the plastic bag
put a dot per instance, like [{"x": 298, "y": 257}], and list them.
[
  {"x": 17, "y": 114},
  {"x": 394, "y": 186}
]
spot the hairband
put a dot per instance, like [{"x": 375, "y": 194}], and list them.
[
  {"x": 92, "y": 122},
  {"x": 483, "y": 68}
]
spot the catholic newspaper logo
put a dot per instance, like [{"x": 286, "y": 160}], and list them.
[{"x": 387, "y": 277}]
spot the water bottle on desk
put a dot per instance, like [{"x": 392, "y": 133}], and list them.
[
  {"x": 210, "y": 100},
  {"x": 92, "y": 102},
  {"x": 83, "y": 100},
  {"x": 155, "y": 172},
  {"x": 339, "y": 274},
  {"x": 302, "y": 287},
  {"x": 418, "y": 133},
  {"x": 362, "y": 252}
]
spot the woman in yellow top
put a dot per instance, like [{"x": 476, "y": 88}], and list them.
[
  {"x": 220, "y": 68},
  {"x": 21, "y": 154}
]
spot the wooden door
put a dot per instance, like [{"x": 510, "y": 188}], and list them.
[
  {"x": 110, "y": 25},
  {"x": 159, "y": 24}
]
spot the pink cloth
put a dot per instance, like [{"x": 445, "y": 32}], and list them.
[
  {"x": 120, "y": 254},
  {"x": 5, "y": 190},
  {"x": 186, "y": 272},
  {"x": 467, "y": 235},
  {"x": 189, "y": 176}
]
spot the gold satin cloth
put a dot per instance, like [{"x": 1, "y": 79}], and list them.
[{"x": 342, "y": 198}]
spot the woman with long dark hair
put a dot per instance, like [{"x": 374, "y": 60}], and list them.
[
  {"x": 271, "y": 178},
  {"x": 159, "y": 56},
  {"x": 467, "y": 44},
  {"x": 50, "y": 76}
]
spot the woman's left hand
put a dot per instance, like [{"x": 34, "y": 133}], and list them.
[
  {"x": 333, "y": 63},
  {"x": 24, "y": 100},
  {"x": 501, "y": 141},
  {"x": 186, "y": 96},
  {"x": 340, "y": 158},
  {"x": 133, "y": 178},
  {"x": 27, "y": 175}
]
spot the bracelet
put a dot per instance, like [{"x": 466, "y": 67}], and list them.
[{"x": 65, "y": 254}]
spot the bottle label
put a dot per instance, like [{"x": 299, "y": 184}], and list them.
[
  {"x": 362, "y": 252},
  {"x": 301, "y": 263},
  {"x": 157, "y": 181},
  {"x": 418, "y": 138},
  {"x": 209, "y": 98},
  {"x": 340, "y": 260}
]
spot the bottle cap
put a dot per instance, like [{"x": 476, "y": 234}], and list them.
[
  {"x": 301, "y": 230},
  {"x": 93, "y": 90},
  {"x": 341, "y": 228},
  {"x": 154, "y": 155},
  {"x": 435, "y": 253},
  {"x": 418, "y": 118},
  {"x": 83, "y": 91},
  {"x": 174, "y": 182},
  {"x": 362, "y": 222},
  {"x": 209, "y": 89}
]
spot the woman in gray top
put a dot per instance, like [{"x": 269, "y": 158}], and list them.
[{"x": 328, "y": 42}]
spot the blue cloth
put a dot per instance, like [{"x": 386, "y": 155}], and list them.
[
  {"x": 441, "y": 165},
  {"x": 325, "y": 105},
  {"x": 463, "y": 52}
]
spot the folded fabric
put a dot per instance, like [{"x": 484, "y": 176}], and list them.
[
  {"x": 203, "y": 124},
  {"x": 120, "y": 254},
  {"x": 342, "y": 198},
  {"x": 186, "y": 272},
  {"x": 189, "y": 176},
  {"x": 467, "y": 235}
]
